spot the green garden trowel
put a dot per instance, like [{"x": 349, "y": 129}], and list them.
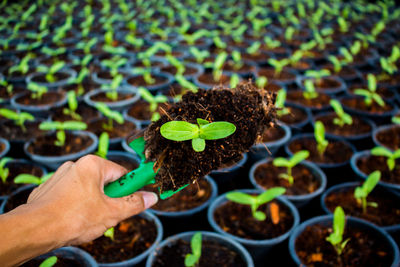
[{"x": 138, "y": 178}]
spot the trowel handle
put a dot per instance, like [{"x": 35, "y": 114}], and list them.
[{"x": 131, "y": 182}]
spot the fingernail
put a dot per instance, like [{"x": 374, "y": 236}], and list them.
[{"x": 149, "y": 199}]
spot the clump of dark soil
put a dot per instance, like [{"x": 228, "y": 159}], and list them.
[
  {"x": 390, "y": 138},
  {"x": 249, "y": 109}
]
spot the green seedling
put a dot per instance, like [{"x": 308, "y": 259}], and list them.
[
  {"x": 111, "y": 116},
  {"x": 192, "y": 38},
  {"x": 50, "y": 72},
  {"x": 278, "y": 64},
  {"x": 361, "y": 192},
  {"x": 319, "y": 134},
  {"x": 104, "y": 141},
  {"x": 109, "y": 233},
  {"x": 271, "y": 43},
  {"x": 200, "y": 55},
  {"x": 254, "y": 48},
  {"x": 261, "y": 81},
  {"x": 384, "y": 152},
  {"x": 289, "y": 32},
  {"x": 192, "y": 259},
  {"x": 185, "y": 83},
  {"x": 370, "y": 95},
  {"x": 198, "y": 133},
  {"x": 309, "y": 92},
  {"x": 347, "y": 56},
  {"x": 72, "y": 106},
  {"x": 280, "y": 103},
  {"x": 9, "y": 87},
  {"x": 53, "y": 52},
  {"x": 31, "y": 179},
  {"x": 19, "y": 118},
  {"x": 290, "y": 164},
  {"x": 259, "y": 25},
  {"x": 49, "y": 262},
  {"x": 355, "y": 48},
  {"x": 180, "y": 68},
  {"x": 296, "y": 57},
  {"x": 235, "y": 79},
  {"x": 336, "y": 237},
  {"x": 154, "y": 101},
  {"x": 389, "y": 64},
  {"x": 87, "y": 46},
  {"x": 37, "y": 91},
  {"x": 396, "y": 119},
  {"x": 317, "y": 75},
  {"x": 112, "y": 94},
  {"x": 337, "y": 64},
  {"x": 23, "y": 66},
  {"x": 237, "y": 60},
  {"x": 256, "y": 201},
  {"x": 61, "y": 127},
  {"x": 4, "y": 171},
  {"x": 218, "y": 65},
  {"x": 114, "y": 64},
  {"x": 146, "y": 74},
  {"x": 134, "y": 41},
  {"x": 219, "y": 43},
  {"x": 342, "y": 117},
  {"x": 343, "y": 25}
]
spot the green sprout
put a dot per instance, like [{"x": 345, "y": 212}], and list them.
[
  {"x": 261, "y": 81},
  {"x": 343, "y": 25},
  {"x": 49, "y": 262},
  {"x": 396, "y": 119},
  {"x": 72, "y": 106},
  {"x": 337, "y": 64},
  {"x": 61, "y": 127},
  {"x": 192, "y": 259},
  {"x": 389, "y": 64},
  {"x": 254, "y": 48},
  {"x": 237, "y": 59},
  {"x": 9, "y": 87},
  {"x": 111, "y": 116},
  {"x": 278, "y": 64},
  {"x": 336, "y": 237},
  {"x": 219, "y": 43},
  {"x": 109, "y": 233},
  {"x": 134, "y": 41},
  {"x": 361, "y": 192},
  {"x": 256, "y": 201},
  {"x": 355, "y": 48},
  {"x": 384, "y": 152},
  {"x": 19, "y": 118},
  {"x": 204, "y": 130},
  {"x": 280, "y": 103},
  {"x": 235, "y": 79},
  {"x": 200, "y": 55},
  {"x": 4, "y": 172},
  {"x": 289, "y": 32},
  {"x": 25, "y": 178},
  {"x": 104, "y": 141},
  {"x": 271, "y": 43},
  {"x": 347, "y": 56},
  {"x": 218, "y": 65},
  {"x": 185, "y": 83},
  {"x": 317, "y": 74},
  {"x": 154, "y": 101},
  {"x": 50, "y": 72},
  {"x": 23, "y": 65},
  {"x": 370, "y": 95},
  {"x": 37, "y": 91},
  {"x": 319, "y": 134},
  {"x": 112, "y": 94},
  {"x": 114, "y": 64},
  {"x": 310, "y": 92},
  {"x": 53, "y": 52},
  {"x": 290, "y": 163},
  {"x": 342, "y": 117},
  {"x": 192, "y": 38},
  {"x": 180, "y": 68},
  {"x": 145, "y": 73}
]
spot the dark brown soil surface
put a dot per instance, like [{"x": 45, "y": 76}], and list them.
[
  {"x": 230, "y": 66},
  {"x": 272, "y": 75},
  {"x": 139, "y": 80},
  {"x": 59, "y": 76},
  {"x": 4, "y": 94},
  {"x": 47, "y": 99},
  {"x": 372, "y": 163},
  {"x": 325, "y": 83},
  {"x": 238, "y": 220},
  {"x": 358, "y": 103},
  {"x": 174, "y": 90},
  {"x": 44, "y": 145},
  {"x": 363, "y": 249},
  {"x": 119, "y": 130},
  {"x": 14, "y": 132},
  {"x": 336, "y": 151},
  {"x": 172, "y": 70},
  {"x": 140, "y": 110},
  {"x": 272, "y": 87},
  {"x": 60, "y": 263},
  {"x": 358, "y": 127},
  {"x": 294, "y": 116},
  {"x": 15, "y": 168},
  {"x": 267, "y": 175},
  {"x": 250, "y": 110},
  {"x": 102, "y": 97},
  {"x": 272, "y": 134},
  {"x": 86, "y": 112},
  {"x": 387, "y": 213},
  {"x": 2, "y": 147},
  {"x": 390, "y": 138},
  {"x": 17, "y": 200},
  {"x": 189, "y": 198},
  {"x": 212, "y": 254},
  {"x": 345, "y": 72},
  {"x": 297, "y": 97},
  {"x": 131, "y": 238},
  {"x": 153, "y": 64},
  {"x": 207, "y": 78},
  {"x": 258, "y": 57}
]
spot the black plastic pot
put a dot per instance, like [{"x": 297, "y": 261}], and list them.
[
  {"x": 25, "y": 190},
  {"x": 71, "y": 74},
  {"x": 198, "y": 70},
  {"x": 6, "y": 147},
  {"x": 153, "y": 87},
  {"x": 115, "y": 105},
  {"x": 382, "y": 129},
  {"x": 330, "y": 91},
  {"x": 300, "y": 126}
]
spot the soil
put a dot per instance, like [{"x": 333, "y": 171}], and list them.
[
  {"x": 139, "y": 80},
  {"x": 358, "y": 127},
  {"x": 16, "y": 168},
  {"x": 295, "y": 115},
  {"x": 326, "y": 83},
  {"x": 14, "y": 132},
  {"x": 272, "y": 87},
  {"x": 131, "y": 238},
  {"x": 2, "y": 147},
  {"x": 212, "y": 254},
  {"x": 119, "y": 130},
  {"x": 258, "y": 57},
  {"x": 47, "y": 99},
  {"x": 44, "y": 145},
  {"x": 238, "y": 220},
  {"x": 363, "y": 249},
  {"x": 86, "y": 112},
  {"x": 125, "y": 162},
  {"x": 320, "y": 101},
  {"x": 272, "y": 75},
  {"x": 346, "y": 72},
  {"x": 140, "y": 110},
  {"x": 359, "y": 104},
  {"x": 230, "y": 66},
  {"x": 189, "y": 198},
  {"x": 387, "y": 213},
  {"x": 249, "y": 109},
  {"x": 267, "y": 175},
  {"x": 60, "y": 263},
  {"x": 272, "y": 134},
  {"x": 172, "y": 70},
  {"x": 390, "y": 137},
  {"x": 4, "y": 94},
  {"x": 153, "y": 64},
  {"x": 102, "y": 97},
  {"x": 17, "y": 200},
  {"x": 372, "y": 163},
  {"x": 207, "y": 78},
  {"x": 59, "y": 76},
  {"x": 336, "y": 152},
  {"x": 174, "y": 90}
]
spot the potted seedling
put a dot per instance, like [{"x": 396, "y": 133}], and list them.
[
  {"x": 144, "y": 77},
  {"x": 238, "y": 66},
  {"x": 19, "y": 71},
  {"x": 278, "y": 73},
  {"x": 208, "y": 80},
  {"x": 54, "y": 76},
  {"x": 19, "y": 118},
  {"x": 323, "y": 81},
  {"x": 199, "y": 55}
]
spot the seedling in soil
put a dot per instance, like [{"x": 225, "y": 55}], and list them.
[
  {"x": 337, "y": 64},
  {"x": 218, "y": 66},
  {"x": 235, "y": 79},
  {"x": 261, "y": 82},
  {"x": 23, "y": 65},
  {"x": 389, "y": 64},
  {"x": 278, "y": 65},
  {"x": 114, "y": 64},
  {"x": 336, "y": 237},
  {"x": 192, "y": 259},
  {"x": 104, "y": 141},
  {"x": 256, "y": 201},
  {"x": 254, "y": 48},
  {"x": 9, "y": 87},
  {"x": 87, "y": 46},
  {"x": 319, "y": 133},
  {"x": 237, "y": 59},
  {"x": 61, "y": 127},
  {"x": 154, "y": 101},
  {"x": 396, "y": 119},
  {"x": 134, "y": 41},
  {"x": 113, "y": 86},
  {"x": 370, "y": 95},
  {"x": 146, "y": 74},
  {"x": 49, "y": 262},
  {"x": 111, "y": 116},
  {"x": 290, "y": 164},
  {"x": 200, "y": 55},
  {"x": 280, "y": 103},
  {"x": 109, "y": 233},
  {"x": 37, "y": 91},
  {"x": 79, "y": 80},
  {"x": 72, "y": 106},
  {"x": 317, "y": 75},
  {"x": 185, "y": 83},
  {"x": 271, "y": 43},
  {"x": 384, "y": 152},
  {"x": 50, "y": 72},
  {"x": 31, "y": 179},
  {"x": 53, "y": 52},
  {"x": 204, "y": 130},
  {"x": 290, "y": 31},
  {"x": 296, "y": 57},
  {"x": 192, "y": 38},
  {"x": 4, "y": 172},
  {"x": 180, "y": 68},
  {"x": 347, "y": 56},
  {"x": 342, "y": 117},
  {"x": 361, "y": 192},
  {"x": 19, "y": 118},
  {"x": 310, "y": 92}
]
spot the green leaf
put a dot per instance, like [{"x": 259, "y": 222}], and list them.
[
  {"x": 371, "y": 182},
  {"x": 259, "y": 215},
  {"x": 49, "y": 262},
  {"x": 74, "y": 125},
  {"x": 299, "y": 157},
  {"x": 27, "y": 179},
  {"x": 190, "y": 260},
  {"x": 102, "y": 150},
  {"x": 201, "y": 122},
  {"x": 381, "y": 151},
  {"x": 269, "y": 195},
  {"x": 241, "y": 198},
  {"x": 195, "y": 244},
  {"x": 198, "y": 144},
  {"x": 281, "y": 162},
  {"x": 216, "y": 130},
  {"x": 179, "y": 130},
  {"x": 109, "y": 233}
]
